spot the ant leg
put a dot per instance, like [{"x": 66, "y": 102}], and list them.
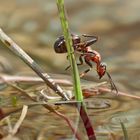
[
  {"x": 113, "y": 86},
  {"x": 81, "y": 62},
  {"x": 85, "y": 35},
  {"x": 88, "y": 62},
  {"x": 92, "y": 41},
  {"x": 86, "y": 71},
  {"x": 67, "y": 66}
]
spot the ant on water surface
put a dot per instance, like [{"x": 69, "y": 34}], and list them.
[{"x": 86, "y": 53}]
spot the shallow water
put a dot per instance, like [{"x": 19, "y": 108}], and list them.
[{"x": 35, "y": 25}]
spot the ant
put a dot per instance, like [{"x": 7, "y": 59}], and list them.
[
  {"x": 60, "y": 46},
  {"x": 86, "y": 53}
]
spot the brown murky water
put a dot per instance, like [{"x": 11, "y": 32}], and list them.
[{"x": 35, "y": 25}]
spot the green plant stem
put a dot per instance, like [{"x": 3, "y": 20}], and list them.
[
  {"x": 77, "y": 86},
  {"x": 124, "y": 130},
  {"x": 67, "y": 37}
]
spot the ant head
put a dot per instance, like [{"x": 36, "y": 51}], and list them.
[{"x": 101, "y": 70}]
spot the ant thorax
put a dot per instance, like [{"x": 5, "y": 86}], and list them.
[{"x": 88, "y": 49}]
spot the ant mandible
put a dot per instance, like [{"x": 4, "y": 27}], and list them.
[{"x": 89, "y": 55}]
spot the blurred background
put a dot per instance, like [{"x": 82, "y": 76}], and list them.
[{"x": 34, "y": 25}]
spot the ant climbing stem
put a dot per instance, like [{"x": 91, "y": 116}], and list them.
[{"x": 87, "y": 55}]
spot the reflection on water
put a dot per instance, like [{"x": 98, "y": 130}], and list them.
[
  {"x": 35, "y": 25},
  {"x": 105, "y": 111}
]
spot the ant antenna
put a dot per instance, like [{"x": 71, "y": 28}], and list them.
[{"x": 113, "y": 86}]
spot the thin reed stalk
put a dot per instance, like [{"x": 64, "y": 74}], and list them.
[{"x": 75, "y": 74}]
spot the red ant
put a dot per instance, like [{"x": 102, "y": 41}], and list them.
[{"x": 89, "y": 55}]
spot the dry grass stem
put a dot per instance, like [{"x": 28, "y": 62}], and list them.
[
  {"x": 19, "y": 122},
  {"x": 14, "y": 130},
  {"x": 30, "y": 79},
  {"x": 18, "y": 51}
]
